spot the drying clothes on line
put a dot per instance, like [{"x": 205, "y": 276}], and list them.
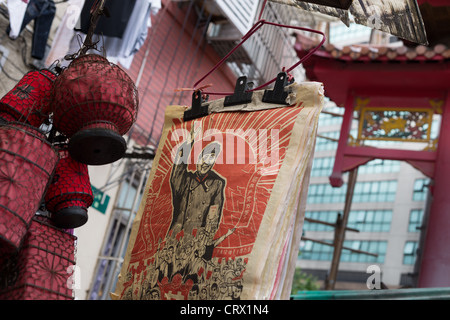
[
  {"x": 113, "y": 26},
  {"x": 42, "y": 12},
  {"x": 68, "y": 39},
  {"x": 16, "y": 12},
  {"x": 135, "y": 31},
  {"x": 64, "y": 34}
]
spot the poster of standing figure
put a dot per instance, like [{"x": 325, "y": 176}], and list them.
[{"x": 222, "y": 211}]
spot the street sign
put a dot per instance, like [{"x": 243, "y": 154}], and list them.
[{"x": 101, "y": 200}]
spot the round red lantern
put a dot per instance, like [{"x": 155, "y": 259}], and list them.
[
  {"x": 40, "y": 269},
  {"x": 27, "y": 163},
  {"x": 28, "y": 101},
  {"x": 70, "y": 193},
  {"x": 6, "y": 117},
  {"x": 94, "y": 104}
]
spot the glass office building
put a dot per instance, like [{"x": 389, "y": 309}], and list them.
[{"x": 387, "y": 212}]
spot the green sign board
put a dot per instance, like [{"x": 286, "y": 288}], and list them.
[{"x": 101, "y": 200}]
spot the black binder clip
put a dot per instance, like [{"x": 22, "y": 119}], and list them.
[
  {"x": 197, "y": 110},
  {"x": 241, "y": 94},
  {"x": 278, "y": 95}
]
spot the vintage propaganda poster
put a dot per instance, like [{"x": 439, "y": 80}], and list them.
[{"x": 222, "y": 212}]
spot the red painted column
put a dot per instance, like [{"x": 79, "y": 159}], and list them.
[
  {"x": 336, "y": 176},
  {"x": 435, "y": 264}
]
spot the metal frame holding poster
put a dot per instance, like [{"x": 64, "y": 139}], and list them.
[{"x": 223, "y": 208}]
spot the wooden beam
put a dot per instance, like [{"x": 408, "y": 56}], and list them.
[
  {"x": 339, "y": 232},
  {"x": 346, "y": 248},
  {"x": 329, "y": 224}
]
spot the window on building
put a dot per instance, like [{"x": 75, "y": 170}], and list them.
[
  {"x": 375, "y": 191},
  {"x": 325, "y": 216},
  {"x": 370, "y": 220},
  {"x": 415, "y": 220},
  {"x": 316, "y": 251},
  {"x": 310, "y": 250},
  {"x": 380, "y": 166},
  {"x": 366, "y": 191},
  {"x": 323, "y": 144},
  {"x": 322, "y": 167},
  {"x": 325, "y": 193},
  {"x": 375, "y": 247},
  {"x": 420, "y": 189},
  {"x": 409, "y": 252},
  {"x": 327, "y": 119},
  {"x": 362, "y": 220}
]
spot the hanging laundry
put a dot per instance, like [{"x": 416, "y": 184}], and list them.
[
  {"x": 64, "y": 36},
  {"x": 42, "y": 12},
  {"x": 123, "y": 50},
  {"x": 119, "y": 12},
  {"x": 16, "y": 12},
  {"x": 118, "y": 49}
]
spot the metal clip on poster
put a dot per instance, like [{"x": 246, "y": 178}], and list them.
[
  {"x": 241, "y": 94},
  {"x": 197, "y": 110},
  {"x": 278, "y": 95},
  {"x": 259, "y": 24}
]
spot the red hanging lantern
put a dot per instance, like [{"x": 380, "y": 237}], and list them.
[
  {"x": 28, "y": 101},
  {"x": 70, "y": 193},
  {"x": 94, "y": 103},
  {"x": 6, "y": 117},
  {"x": 27, "y": 163},
  {"x": 42, "y": 268}
]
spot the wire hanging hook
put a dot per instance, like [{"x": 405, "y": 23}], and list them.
[
  {"x": 96, "y": 11},
  {"x": 252, "y": 30}
]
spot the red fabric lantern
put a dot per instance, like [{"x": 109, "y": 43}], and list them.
[
  {"x": 6, "y": 117},
  {"x": 29, "y": 100},
  {"x": 43, "y": 267},
  {"x": 94, "y": 103},
  {"x": 70, "y": 193},
  {"x": 27, "y": 163}
]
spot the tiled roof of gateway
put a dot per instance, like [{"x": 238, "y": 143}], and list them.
[
  {"x": 367, "y": 53},
  {"x": 368, "y": 67}
]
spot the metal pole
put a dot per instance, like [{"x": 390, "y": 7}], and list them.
[{"x": 339, "y": 234}]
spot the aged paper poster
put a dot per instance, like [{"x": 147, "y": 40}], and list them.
[{"x": 222, "y": 212}]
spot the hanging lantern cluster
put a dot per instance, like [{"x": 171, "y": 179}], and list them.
[
  {"x": 45, "y": 189},
  {"x": 31, "y": 160}
]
